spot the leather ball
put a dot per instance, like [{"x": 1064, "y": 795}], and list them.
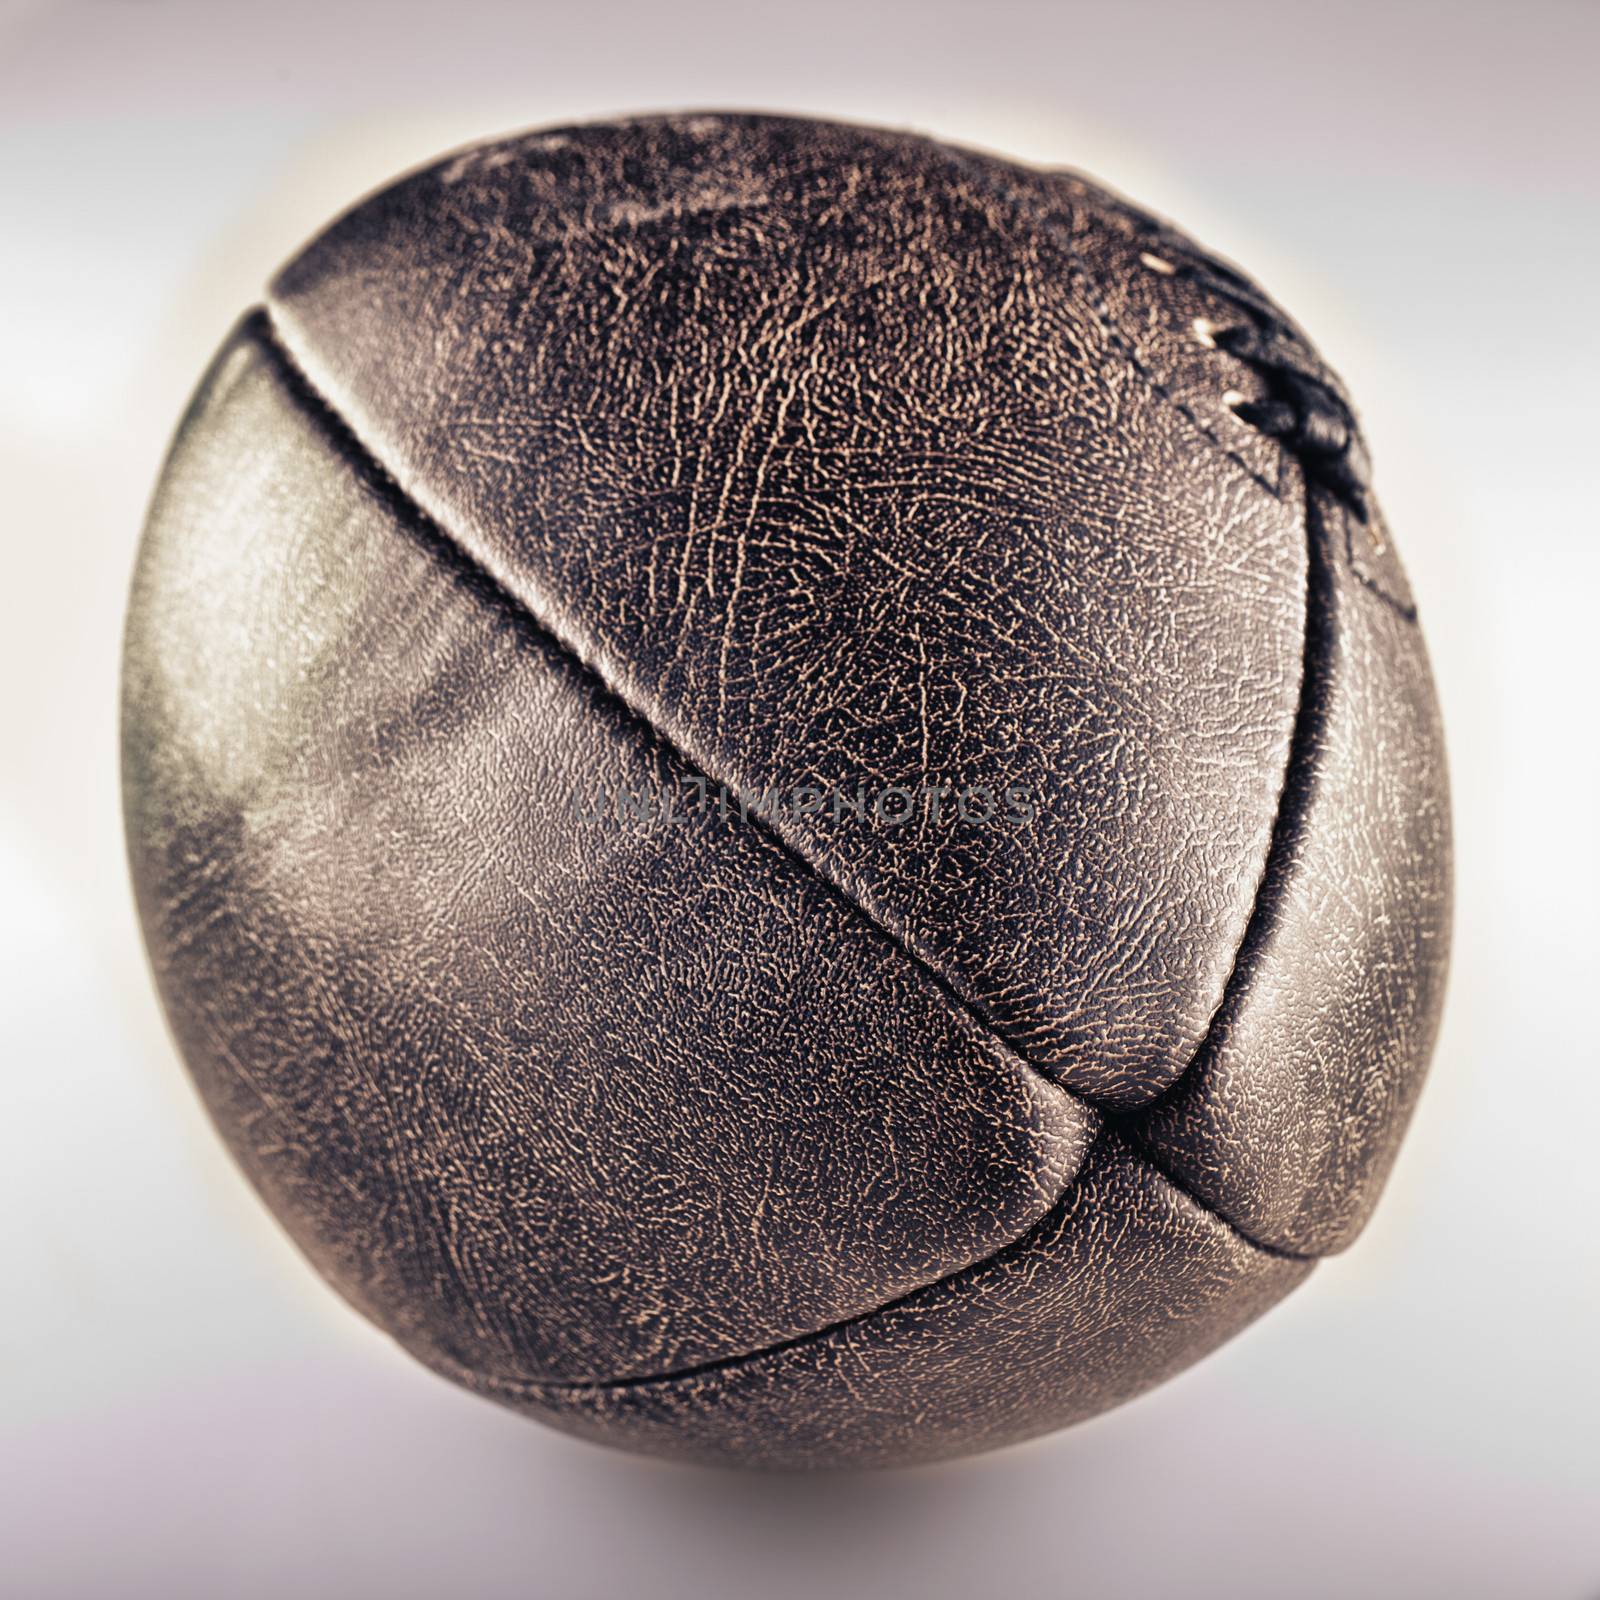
[{"x": 783, "y": 787}]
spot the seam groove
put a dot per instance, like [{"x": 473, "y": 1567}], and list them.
[
  {"x": 1024, "y": 1241},
  {"x": 361, "y": 457},
  {"x": 1288, "y": 826},
  {"x": 260, "y": 328}
]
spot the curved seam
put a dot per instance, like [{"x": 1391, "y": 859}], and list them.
[
  {"x": 533, "y": 1388},
  {"x": 260, "y": 327},
  {"x": 1057, "y": 219},
  {"x": 530, "y": 1386},
  {"x": 360, "y": 455},
  {"x": 1287, "y": 819},
  {"x": 357, "y": 453}
]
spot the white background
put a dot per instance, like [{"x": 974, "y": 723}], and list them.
[{"x": 188, "y": 1412}]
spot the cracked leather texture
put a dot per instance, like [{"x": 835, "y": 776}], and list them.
[
  {"x": 558, "y": 1098},
  {"x": 816, "y": 448},
  {"x": 1292, "y": 1115},
  {"x": 763, "y": 452}
]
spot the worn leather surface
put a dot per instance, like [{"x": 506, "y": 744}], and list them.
[
  {"x": 754, "y": 452},
  {"x": 552, "y": 1097},
  {"x": 1291, "y": 1116},
  {"x": 819, "y": 451},
  {"x": 1124, "y": 1283}
]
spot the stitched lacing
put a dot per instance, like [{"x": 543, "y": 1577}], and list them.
[{"x": 1302, "y": 409}]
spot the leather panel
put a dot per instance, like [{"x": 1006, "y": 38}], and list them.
[
  {"x": 1123, "y": 1284},
  {"x": 810, "y": 441},
  {"x": 1292, "y": 1116},
  {"x": 1132, "y": 267},
  {"x": 588, "y": 470},
  {"x": 545, "y": 1098}
]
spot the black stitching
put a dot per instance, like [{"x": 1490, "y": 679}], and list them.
[
  {"x": 1408, "y": 612},
  {"x": 1059, "y": 223},
  {"x": 1142, "y": 226},
  {"x": 1095, "y": 294}
]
